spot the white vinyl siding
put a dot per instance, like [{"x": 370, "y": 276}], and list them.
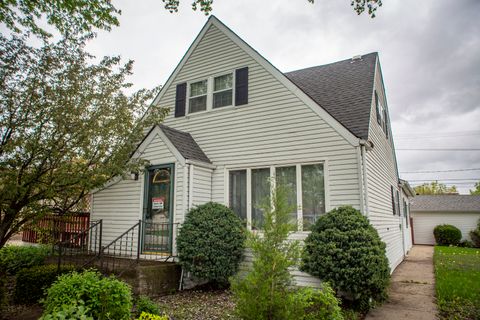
[
  {"x": 381, "y": 176},
  {"x": 425, "y": 222},
  {"x": 202, "y": 185},
  {"x": 275, "y": 128},
  {"x": 120, "y": 205}
]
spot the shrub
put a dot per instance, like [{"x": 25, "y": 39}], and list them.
[
  {"x": 475, "y": 235},
  {"x": 211, "y": 242},
  {"x": 315, "y": 304},
  {"x": 149, "y": 316},
  {"x": 70, "y": 312},
  {"x": 447, "y": 234},
  {"x": 32, "y": 282},
  {"x": 144, "y": 304},
  {"x": 15, "y": 258},
  {"x": 466, "y": 244},
  {"x": 345, "y": 250},
  {"x": 105, "y": 298},
  {"x": 265, "y": 291}
]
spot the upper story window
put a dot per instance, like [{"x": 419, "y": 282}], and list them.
[
  {"x": 198, "y": 96},
  {"x": 223, "y": 91},
  {"x": 382, "y": 117},
  {"x": 213, "y": 92}
]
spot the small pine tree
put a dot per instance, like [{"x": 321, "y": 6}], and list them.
[{"x": 265, "y": 292}]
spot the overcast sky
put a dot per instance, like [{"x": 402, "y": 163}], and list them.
[{"x": 429, "y": 52}]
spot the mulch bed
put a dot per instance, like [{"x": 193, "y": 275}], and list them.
[{"x": 198, "y": 305}]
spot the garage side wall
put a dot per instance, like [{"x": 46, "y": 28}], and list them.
[{"x": 425, "y": 222}]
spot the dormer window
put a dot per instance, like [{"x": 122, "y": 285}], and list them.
[
  {"x": 198, "y": 96},
  {"x": 223, "y": 91}
]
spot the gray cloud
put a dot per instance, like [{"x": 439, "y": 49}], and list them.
[{"x": 429, "y": 50}]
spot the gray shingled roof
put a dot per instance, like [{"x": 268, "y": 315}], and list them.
[
  {"x": 446, "y": 203},
  {"x": 185, "y": 144},
  {"x": 344, "y": 89}
]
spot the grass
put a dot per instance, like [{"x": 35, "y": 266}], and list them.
[{"x": 457, "y": 274}]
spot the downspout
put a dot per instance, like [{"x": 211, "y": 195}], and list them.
[
  {"x": 190, "y": 186},
  {"x": 364, "y": 146},
  {"x": 361, "y": 185}
]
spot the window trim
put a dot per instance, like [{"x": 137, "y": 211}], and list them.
[
  {"x": 222, "y": 90},
  {"x": 272, "y": 167},
  {"x": 187, "y": 109},
  {"x": 210, "y": 86}
]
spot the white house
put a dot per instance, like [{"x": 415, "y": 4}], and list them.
[
  {"x": 236, "y": 120},
  {"x": 429, "y": 211}
]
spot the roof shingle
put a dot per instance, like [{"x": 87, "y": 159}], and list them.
[
  {"x": 344, "y": 89},
  {"x": 447, "y": 203},
  {"x": 185, "y": 144}
]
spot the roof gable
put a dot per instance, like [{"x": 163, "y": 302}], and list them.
[
  {"x": 279, "y": 76},
  {"x": 344, "y": 89},
  {"x": 185, "y": 144}
]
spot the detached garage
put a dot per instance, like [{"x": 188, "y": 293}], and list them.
[{"x": 428, "y": 211}]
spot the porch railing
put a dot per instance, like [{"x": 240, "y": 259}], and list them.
[
  {"x": 143, "y": 242},
  {"x": 82, "y": 248}
]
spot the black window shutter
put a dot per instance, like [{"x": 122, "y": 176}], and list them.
[
  {"x": 180, "y": 100},
  {"x": 379, "y": 116},
  {"x": 241, "y": 86}
]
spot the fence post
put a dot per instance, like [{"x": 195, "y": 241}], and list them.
[{"x": 139, "y": 239}]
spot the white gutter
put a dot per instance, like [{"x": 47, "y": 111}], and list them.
[{"x": 200, "y": 164}]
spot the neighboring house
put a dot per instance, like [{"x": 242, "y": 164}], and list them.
[
  {"x": 235, "y": 120},
  {"x": 429, "y": 211}
]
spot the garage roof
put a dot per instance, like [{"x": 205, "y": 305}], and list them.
[{"x": 446, "y": 203}]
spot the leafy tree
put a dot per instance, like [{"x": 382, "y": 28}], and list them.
[
  {"x": 206, "y": 5},
  {"x": 476, "y": 190},
  {"x": 65, "y": 15},
  {"x": 264, "y": 293},
  {"x": 66, "y": 127},
  {"x": 434, "y": 187}
]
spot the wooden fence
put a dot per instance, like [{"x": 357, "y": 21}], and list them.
[{"x": 53, "y": 229}]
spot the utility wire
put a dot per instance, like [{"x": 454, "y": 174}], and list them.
[
  {"x": 435, "y": 171},
  {"x": 439, "y": 149},
  {"x": 468, "y": 179}
]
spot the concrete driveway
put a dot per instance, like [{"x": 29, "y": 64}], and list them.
[{"x": 412, "y": 290}]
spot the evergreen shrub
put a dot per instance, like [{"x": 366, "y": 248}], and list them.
[
  {"x": 446, "y": 235},
  {"x": 210, "y": 243},
  {"x": 345, "y": 250}
]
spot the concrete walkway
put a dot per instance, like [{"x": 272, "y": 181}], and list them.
[{"x": 412, "y": 290}]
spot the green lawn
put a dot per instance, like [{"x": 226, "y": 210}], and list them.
[{"x": 457, "y": 274}]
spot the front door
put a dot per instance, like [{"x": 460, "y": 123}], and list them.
[{"x": 158, "y": 210}]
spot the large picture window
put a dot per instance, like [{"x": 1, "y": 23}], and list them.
[
  {"x": 305, "y": 185},
  {"x": 313, "y": 194},
  {"x": 260, "y": 192},
  {"x": 238, "y": 193}
]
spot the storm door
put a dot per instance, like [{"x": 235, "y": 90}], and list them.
[{"x": 158, "y": 209}]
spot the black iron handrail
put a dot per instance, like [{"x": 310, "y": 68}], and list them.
[
  {"x": 83, "y": 247},
  {"x": 153, "y": 242}
]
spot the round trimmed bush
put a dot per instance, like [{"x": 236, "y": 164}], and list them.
[
  {"x": 103, "y": 298},
  {"x": 346, "y": 250},
  {"x": 446, "y": 234},
  {"x": 210, "y": 242}
]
